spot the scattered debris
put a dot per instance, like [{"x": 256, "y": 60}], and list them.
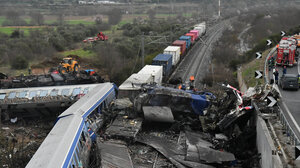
[
  {"x": 158, "y": 114},
  {"x": 114, "y": 155},
  {"x": 14, "y": 120},
  {"x": 123, "y": 127}
]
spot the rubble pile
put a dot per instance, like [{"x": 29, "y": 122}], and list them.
[
  {"x": 51, "y": 79},
  {"x": 20, "y": 139},
  {"x": 153, "y": 133}
]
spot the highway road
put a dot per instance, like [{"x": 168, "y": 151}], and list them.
[
  {"x": 290, "y": 101},
  {"x": 197, "y": 61}
]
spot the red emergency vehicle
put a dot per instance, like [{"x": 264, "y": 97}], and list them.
[{"x": 286, "y": 51}]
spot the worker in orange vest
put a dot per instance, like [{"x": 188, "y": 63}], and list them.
[{"x": 192, "y": 80}]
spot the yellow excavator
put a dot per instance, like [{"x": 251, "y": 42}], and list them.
[{"x": 68, "y": 64}]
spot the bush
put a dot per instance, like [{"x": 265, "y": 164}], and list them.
[{"x": 19, "y": 63}]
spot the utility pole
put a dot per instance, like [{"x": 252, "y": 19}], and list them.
[
  {"x": 153, "y": 40},
  {"x": 143, "y": 50},
  {"x": 219, "y": 8}
]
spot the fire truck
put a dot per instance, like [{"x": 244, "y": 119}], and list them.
[{"x": 287, "y": 54}]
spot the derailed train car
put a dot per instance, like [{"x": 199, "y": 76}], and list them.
[
  {"x": 69, "y": 142},
  {"x": 176, "y": 99}
]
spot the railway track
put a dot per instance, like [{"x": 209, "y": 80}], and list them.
[{"x": 194, "y": 60}]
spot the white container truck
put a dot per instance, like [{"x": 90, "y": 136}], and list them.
[
  {"x": 155, "y": 71},
  {"x": 175, "y": 52}
]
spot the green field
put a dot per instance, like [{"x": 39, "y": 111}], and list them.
[
  {"x": 80, "y": 52},
  {"x": 9, "y": 30},
  {"x": 72, "y": 22}
]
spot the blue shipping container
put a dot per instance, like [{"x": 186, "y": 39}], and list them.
[
  {"x": 165, "y": 60},
  {"x": 187, "y": 39}
]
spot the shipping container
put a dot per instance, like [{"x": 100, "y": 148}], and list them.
[
  {"x": 193, "y": 37},
  {"x": 201, "y": 27},
  {"x": 175, "y": 52},
  {"x": 155, "y": 71},
  {"x": 181, "y": 44},
  {"x": 166, "y": 61},
  {"x": 187, "y": 39},
  {"x": 196, "y": 32}
]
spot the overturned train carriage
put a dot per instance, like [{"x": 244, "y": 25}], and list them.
[
  {"x": 178, "y": 100},
  {"x": 69, "y": 142}
]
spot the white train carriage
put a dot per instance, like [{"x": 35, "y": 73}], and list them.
[{"x": 69, "y": 142}]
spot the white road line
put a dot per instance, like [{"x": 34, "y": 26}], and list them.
[{"x": 292, "y": 118}]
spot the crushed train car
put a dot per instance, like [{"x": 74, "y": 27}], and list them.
[{"x": 176, "y": 99}]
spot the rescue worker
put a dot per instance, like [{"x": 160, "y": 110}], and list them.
[
  {"x": 284, "y": 70},
  {"x": 192, "y": 80},
  {"x": 276, "y": 74},
  {"x": 183, "y": 87}
]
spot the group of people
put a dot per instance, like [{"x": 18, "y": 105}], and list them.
[{"x": 276, "y": 73}]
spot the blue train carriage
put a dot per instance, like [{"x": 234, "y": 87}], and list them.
[{"x": 69, "y": 142}]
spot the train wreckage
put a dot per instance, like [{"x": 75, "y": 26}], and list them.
[{"x": 166, "y": 127}]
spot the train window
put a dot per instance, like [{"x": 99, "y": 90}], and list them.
[
  {"x": 43, "y": 93},
  {"x": 22, "y": 94},
  {"x": 83, "y": 137},
  {"x": 86, "y": 90},
  {"x": 54, "y": 93},
  {"x": 32, "y": 94},
  {"x": 2, "y": 96},
  {"x": 12, "y": 95},
  {"x": 76, "y": 91},
  {"x": 65, "y": 92}
]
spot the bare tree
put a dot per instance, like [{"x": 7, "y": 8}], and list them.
[
  {"x": 37, "y": 18},
  {"x": 13, "y": 16},
  {"x": 151, "y": 14},
  {"x": 114, "y": 16},
  {"x": 98, "y": 20},
  {"x": 60, "y": 19}
]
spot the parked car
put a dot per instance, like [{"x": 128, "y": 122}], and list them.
[{"x": 289, "y": 81}]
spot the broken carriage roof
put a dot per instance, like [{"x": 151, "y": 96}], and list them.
[{"x": 199, "y": 101}]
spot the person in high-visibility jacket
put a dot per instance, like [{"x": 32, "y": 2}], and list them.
[{"x": 192, "y": 80}]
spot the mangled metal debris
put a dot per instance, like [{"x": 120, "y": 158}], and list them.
[
  {"x": 199, "y": 150},
  {"x": 122, "y": 104},
  {"x": 123, "y": 127},
  {"x": 114, "y": 155},
  {"x": 172, "y": 151},
  {"x": 158, "y": 114},
  {"x": 176, "y": 99},
  {"x": 52, "y": 79}
]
